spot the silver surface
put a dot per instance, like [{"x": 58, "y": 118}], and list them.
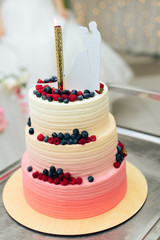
[{"x": 144, "y": 225}]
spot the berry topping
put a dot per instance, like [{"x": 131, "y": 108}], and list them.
[
  {"x": 45, "y": 172},
  {"x": 57, "y": 91},
  {"x": 46, "y": 80},
  {"x": 31, "y": 131},
  {"x": 44, "y": 97},
  {"x": 80, "y": 98},
  {"x": 55, "y": 175},
  {"x": 50, "y": 98},
  {"x": 56, "y": 96},
  {"x": 53, "y": 79},
  {"x": 29, "y": 169},
  {"x": 60, "y": 99},
  {"x": 74, "y": 91},
  {"x": 121, "y": 145},
  {"x": 60, "y": 136},
  {"x": 70, "y": 141},
  {"x": 78, "y": 137},
  {"x": 45, "y": 178},
  {"x": 56, "y": 181},
  {"x": 65, "y": 96},
  {"x": 116, "y": 164},
  {"x": 119, "y": 149},
  {"x": 64, "y": 182},
  {"x": 34, "y": 92},
  {"x": 47, "y": 89},
  {"x": 45, "y": 139},
  {"x": 101, "y": 85},
  {"x": 86, "y": 95},
  {"x": 63, "y": 142},
  {"x": 75, "y": 141},
  {"x": 66, "y": 100},
  {"x": 51, "y": 140},
  {"x": 66, "y": 92},
  {"x": 124, "y": 153},
  {"x": 38, "y": 94},
  {"x": 35, "y": 174},
  {"x": 93, "y": 138},
  {"x": 78, "y": 180},
  {"x": 82, "y": 141},
  {"x": 84, "y": 134},
  {"x": 67, "y": 136},
  {"x": 79, "y": 93},
  {"x": 50, "y": 180},
  {"x": 50, "y": 174},
  {"x": 90, "y": 179},
  {"x": 67, "y": 175},
  {"x": 59, "y": 171},
  {"x": 92, "y": 94},
  {"x": 72, "y": 97},
  {"x": 40, "y": 137},
  {"x": 86, "y": 91},
  {"x": 88, "y": 140},
  {"x": 61, "y": 176},
  {"x": 73, "y": 136},
  {"x": 52, "y": 169},
  {"x": 119, "y": 157},
  {"x": 56, "y": 141},
  {"x": 76, "y": 131},
  {"x": 40, "y": 176},
  {"x": 72, "y": 180},
  {"x": 29, "y": 122},
  {"x": 54, "y": 135}
]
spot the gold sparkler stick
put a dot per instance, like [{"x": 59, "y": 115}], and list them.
[{"x": 59, "y": 56}]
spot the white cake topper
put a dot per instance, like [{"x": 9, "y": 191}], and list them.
[{"x": 86, "y": 69}]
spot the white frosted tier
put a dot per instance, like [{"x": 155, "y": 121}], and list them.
[
  {"x": 94, "y": 158},
  {"x": 90, "y": 114}
]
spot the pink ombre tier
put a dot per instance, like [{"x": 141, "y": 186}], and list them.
[{"x": 75, "y": 201}]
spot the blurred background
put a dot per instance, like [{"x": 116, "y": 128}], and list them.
[{"x": 130, "y": 32}]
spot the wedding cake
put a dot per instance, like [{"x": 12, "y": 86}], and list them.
[{"x": 74, "y": 166}]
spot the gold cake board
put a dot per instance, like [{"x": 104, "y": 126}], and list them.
[{"x": 19, "y": 210}]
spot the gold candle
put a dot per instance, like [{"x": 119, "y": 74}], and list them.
[{"x": 59, "y": 56}]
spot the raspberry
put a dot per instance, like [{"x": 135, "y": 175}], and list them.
[
  {"x": 93, "y": 138},
  {"x": 56, "y": 141},
  {"x": 72, "y": 97},
  {"x": 116, "y": 164},
  {"x": 64, "y": 96},
  {"x": 82, "y": 141},
  {"x": 40, "y": 137},
  {"x": 101, "y": 85},
  {"x": 121, "y": 145},
  {"x": 79, "y": 180},
  {"x": 79, "y": 93},
  {"x": 40, "y": 81},
  {"x": 56, "y": 181},
  {"x": 49, "y": 95},
  {"x": 72, "y": 180},
  {"x": 67, "y": 175},
  {"x": 35, "y": 174},
  {"x": 61, "y": 176},
  {"x": 40, "y": 176},
  {"x": 40, "y": 90},
  {"x": 43, "y": 93},
  {"x": 53, "y": 90},
  {"x": 44, "y": 178},
  {"x": 39, "y": 87},
  {"x": 45, "y": 86},
  {"x": 51, "y": 140},
  {"x": 64, "y": 182},
  {"x": 50, "y": 180},
  {"x": 88, "y": 139},
  {"x": 56, "y": 96}
]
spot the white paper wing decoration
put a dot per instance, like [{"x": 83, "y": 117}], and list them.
[{"x": 86, "y": 69}]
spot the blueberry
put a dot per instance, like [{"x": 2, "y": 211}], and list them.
[
  {"x": 53, "y": 79},
  {"x": 70, "y": 141},
  {"x": 92, "y": 94},
  {"x": 84, "y": 134},
  {"x": 65, "y": 92},
  {"x": 67, "y": 136},
  {"x": 57, "y": 91},
  {"x": 86, "y": 91},
  {"x": 38, "y": 94},
  {"x": 60, "y": 100},
  {"x": 52, "y": 169},
  {"x": 46, "y": 80},
  {"x": 31, "y": 131},
  {"x": 29, "y": 169},
  {"x": 50, "y": 174},
  {"x": 29, "y": 122},
  {"x": 50, "y": 99},
  {"x": 54, "y": 135},
  {"x": 76, "y": 131},
  {"x": 60, "y": 136},
  {"x": 66, "y": 100},
  {"x": 86, "y": 95},
  {"x": 74, "y": 91},
  {"x": 63, "y": 142},
  {"x": 45, "y": 172},
  {"x": 48, "y": 89},
  {"x": 59, "y": 171},
  {"x": 90, "y": 179},
  {"x": 55, "y": 174},
  {"x": 118, "y": 157},
  {"x": 44, "y": 97},
  {"x": 45, "y": 139},
  {"x": 73, "y": 136},
  {"x": 34, "y": 92},
  {"x": 75, "y": 141},
  {"x": 80, "y": 98},
  {"x": 119, "y": 149},
  {"x": 78, "y": 137}
]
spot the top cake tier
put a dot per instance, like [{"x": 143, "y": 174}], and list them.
[{"x": 90, "y": 114}]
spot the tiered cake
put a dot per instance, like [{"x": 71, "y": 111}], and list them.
[{"x": 71, "y": 178}]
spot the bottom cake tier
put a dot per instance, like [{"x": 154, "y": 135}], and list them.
[{"x": 75, "y": 201}]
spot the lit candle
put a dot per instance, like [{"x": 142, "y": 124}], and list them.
[{"x": 59, "y": 54}]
